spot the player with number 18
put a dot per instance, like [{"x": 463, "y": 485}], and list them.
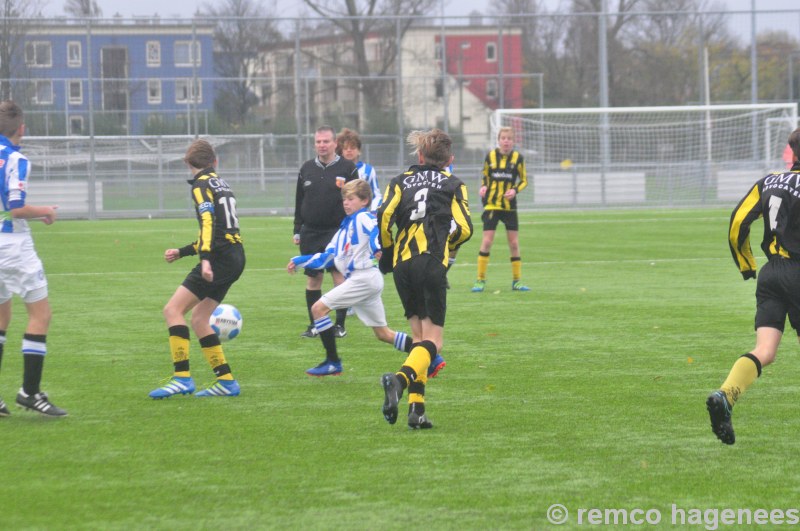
[{"x": 219, "y": 246}]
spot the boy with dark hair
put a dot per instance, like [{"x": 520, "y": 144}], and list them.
[
  {"x": 348, "y": 145},
  {"x": 222, "y": 260},
  {"x": 774, "y": 198}
]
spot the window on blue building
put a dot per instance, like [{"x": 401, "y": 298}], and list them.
[
  {"x": 153, "y": 53},
  {"x": 183, "y": 53},
  {"x": 76, "y": 125},
  {"x": 38, "y": 53},
  {"x": 74, "y": 53},
  {"x": 44, "y": 93},
  {"x": 75, "y": 91},
  {"x": 184, "y": 92},
  {"x": 154, "y": 91}
]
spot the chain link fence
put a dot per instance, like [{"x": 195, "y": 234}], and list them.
[{"x": 112, "y": 104}]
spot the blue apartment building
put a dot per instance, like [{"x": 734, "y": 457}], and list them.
[{"x": 128, "y": 73}]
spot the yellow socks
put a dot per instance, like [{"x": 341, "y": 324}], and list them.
[
  {"x": 516, "y": 268},
  {"x": 212, "y": 350},
  {"x": 179, "y": 349},
  {"x": 483, "y": 265},
  {"x": 743, "y": 373}
]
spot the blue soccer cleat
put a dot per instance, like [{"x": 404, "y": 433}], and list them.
[
  {"x": 326, "y": 368},
  {"x": 175, "y": 386},
  {"x": 221, "y": 388},
  {"x": 479, "y": 286},
  {"x": 436, "y": 365},
  {"x": 517, "y": 285}
]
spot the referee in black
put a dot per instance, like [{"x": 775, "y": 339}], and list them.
[{"x": 318, "y": 211}]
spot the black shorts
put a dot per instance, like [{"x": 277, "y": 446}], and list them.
[
  {"x": 227, "y": 266},
  {"x": 314, "y": 241},
  {"x": 421, "y": 283},
  {"x": 491, "y": 218},
  {"x": 778, "y": 294}
]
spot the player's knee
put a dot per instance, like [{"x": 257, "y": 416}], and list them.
[
  {"x": 319, "y": 309},
  {"x": 199, "y": 321}
]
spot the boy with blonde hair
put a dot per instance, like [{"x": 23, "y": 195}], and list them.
[
  {"x": 354, "y": 250},
  {"x": 504, "y": 177},
  {"x": 430, "y": 210}
]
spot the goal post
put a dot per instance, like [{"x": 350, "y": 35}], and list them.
[{"x": 659, "y": 156}]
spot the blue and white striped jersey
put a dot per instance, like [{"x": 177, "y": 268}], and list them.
[
  {"x": 353, "y": 247},
  {"x": 14, "y": 168},
  {"x": 368, "y": 173}
]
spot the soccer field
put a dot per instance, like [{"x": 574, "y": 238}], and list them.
[{"x": 587, "y": 392}]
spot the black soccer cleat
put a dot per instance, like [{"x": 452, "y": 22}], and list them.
[
  {"x": 720, "y": 412},
  {"x": 339, "y": 331},
  {"x": 310, "y": 332},
  {"x": 39, "y": 403},
  {"x": 4, "y": 412},
  {"x": 392, "y": 391},
  {"x": 418, "y": 421}
]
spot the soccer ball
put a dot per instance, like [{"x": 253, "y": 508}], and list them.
[{"x": 226, "y": 322}]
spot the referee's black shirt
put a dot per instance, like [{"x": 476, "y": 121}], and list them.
[{"x": 318, "y": 199}]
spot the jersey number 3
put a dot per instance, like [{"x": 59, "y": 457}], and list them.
[{"x": 420, "y": 197}]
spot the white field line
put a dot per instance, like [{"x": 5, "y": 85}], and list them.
[{"x": 648, "y": 261}]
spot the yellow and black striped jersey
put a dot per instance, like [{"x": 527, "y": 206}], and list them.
[
  {"x": 776, "y": 198},
  {"x": 215, "y": 206},
  {"x": 501, "y": 173},
  {"x": 430, "y": 209}
]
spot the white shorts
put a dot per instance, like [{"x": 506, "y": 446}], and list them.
[
  {"x": 21, "y": 271},
  {"x": 361, "y": 292}
]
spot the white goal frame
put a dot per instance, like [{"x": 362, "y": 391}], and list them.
[{"x": 674, "y": 155}]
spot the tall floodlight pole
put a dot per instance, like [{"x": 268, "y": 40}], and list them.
[
  {"x": 443, "y": 48},
  {"x": 602, "y": 57},
  {"x": 90, "y": 82},
  {"x": 753, "y": 75}
]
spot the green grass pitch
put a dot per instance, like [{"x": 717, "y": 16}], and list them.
[{"x": 588, "y": 391}]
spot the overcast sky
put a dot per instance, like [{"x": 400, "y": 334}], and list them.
[{"x": 185, "y": 8}]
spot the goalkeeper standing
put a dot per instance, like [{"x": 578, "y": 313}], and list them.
[
  {"x": 503, "y": 178},
  {"x": 423, "y": 202},
  {"x": 775, "y": 198}
]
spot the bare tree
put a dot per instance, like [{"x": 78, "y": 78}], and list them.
[
  {"x": 83, "y": 8},
  {"x": 15, "y": 19},
  {"x": 359, "y": 21},
  {"x": 244, "y": 29}
]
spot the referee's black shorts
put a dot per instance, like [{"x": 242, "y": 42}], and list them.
[
  {"x": 227, "y": 265},
  {"x": 313, "y": 240},
  {"x": 421, "y": 283},
  {"x": 778, "y": 294}
]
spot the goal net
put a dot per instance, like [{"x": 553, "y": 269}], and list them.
[{"x": 628, "y": 156}]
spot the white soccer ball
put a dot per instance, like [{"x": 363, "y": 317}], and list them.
[{"x": 226, "y": 322}]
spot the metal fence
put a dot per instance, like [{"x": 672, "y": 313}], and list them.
[{"x": 112, "y": 104}]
